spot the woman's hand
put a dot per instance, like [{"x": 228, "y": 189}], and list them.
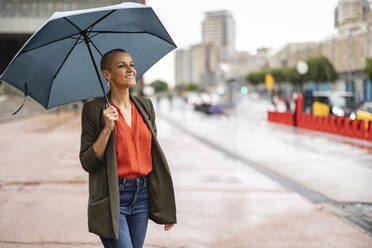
[
  {"x": 168, "y": 226},
  {"x": 110, "y": 114}
]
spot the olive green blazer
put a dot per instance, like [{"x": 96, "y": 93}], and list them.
[{"x": 104, "y": 200}]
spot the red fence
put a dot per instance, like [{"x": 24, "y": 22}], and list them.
[
  {"x": 330, "y": 124},
  {"x": 284, "y": 118}
]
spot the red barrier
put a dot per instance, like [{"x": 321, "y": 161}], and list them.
[
  {"x": 330, "y": 124},
  {"x": 279, "y": 117},
  {"x": 369, "y": 134}
]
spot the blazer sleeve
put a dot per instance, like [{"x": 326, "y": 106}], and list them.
[
  {"x": 89, "y": 134},
  {"x": 153, "y": 123}
]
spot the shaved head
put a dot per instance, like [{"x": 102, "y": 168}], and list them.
[{"x": 107, "y": 57}]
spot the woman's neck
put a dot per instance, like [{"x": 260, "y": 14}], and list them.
[{"x": 120, "y": 97}]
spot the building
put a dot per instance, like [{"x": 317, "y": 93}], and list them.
[
  {"x": 204, "y": 60},
  {"x": 218, "y": 28},
  {"x": 351, "y": 15},
  {"x": 182, "y": 66},
  {"x": 347, "y": 53}
]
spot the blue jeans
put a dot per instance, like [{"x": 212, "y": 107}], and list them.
[{"x": 133, "y": 214}]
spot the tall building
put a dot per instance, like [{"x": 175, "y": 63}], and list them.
[
  {"x": 218, "y": 28},
  {"x": 217, "y": 46},
  {"x": 351, "y": 15},
  {"x": 204, "y": 64},
  {"x": 182, "y": 66}
]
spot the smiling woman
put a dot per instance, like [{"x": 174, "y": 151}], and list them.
[
  {"x": 129, "y": 168},
  {"x": 117, "y": 65}
]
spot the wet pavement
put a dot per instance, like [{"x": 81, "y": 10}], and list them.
[{"x": 221, "y": 202}]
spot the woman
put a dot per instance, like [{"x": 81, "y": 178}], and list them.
[{"x": 129, "y": 178}]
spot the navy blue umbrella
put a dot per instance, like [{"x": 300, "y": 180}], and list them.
[{"x": 58, "y": 64}]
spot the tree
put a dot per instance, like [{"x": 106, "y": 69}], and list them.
[
  {"x": 279, "y": 75},
  {"x": 368, "y": 68},
  {"x": 192, "y": 87},
  {"x": 256, "y": 77},
  {"x": 294, "y": 77},
  {"x": 320, "y": 69},
  {"x": 159, "y": 86}
]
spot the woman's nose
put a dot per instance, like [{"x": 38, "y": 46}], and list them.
[{"x": 130, "y": 70}]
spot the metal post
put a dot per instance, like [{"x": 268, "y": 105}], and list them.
[{"x": 84, "y": 34}]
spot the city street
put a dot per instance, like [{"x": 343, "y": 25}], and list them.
[
  {"x": 263, "y": 113},
  {"x": 221, "y": 202},
  {"x": 306, "y": 157}
]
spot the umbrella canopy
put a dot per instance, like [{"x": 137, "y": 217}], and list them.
[{"x": 59, "y": 63}]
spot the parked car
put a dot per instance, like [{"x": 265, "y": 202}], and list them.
[
  {"x": 208, "y": 108},
  {"x": 192, "y": 98},
  {"x": 341, "y": 103},
  {"x": 364, "y": 112}
]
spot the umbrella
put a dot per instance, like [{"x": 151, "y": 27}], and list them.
[{"x": 58, "y": 63}]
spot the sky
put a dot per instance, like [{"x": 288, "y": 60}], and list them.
[{"x": 258, "y": 23}]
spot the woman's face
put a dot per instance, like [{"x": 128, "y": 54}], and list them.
[{"x": 121, "y": 72}]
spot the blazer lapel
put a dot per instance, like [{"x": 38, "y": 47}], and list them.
[{"x": 145, "y": 116}]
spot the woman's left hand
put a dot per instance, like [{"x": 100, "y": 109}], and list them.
[{"x": 168, "y": 226}]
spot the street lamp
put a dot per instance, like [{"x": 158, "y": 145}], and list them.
[
  {"x": 224, "y": 68},
  {"x": 302, "y": 67}
]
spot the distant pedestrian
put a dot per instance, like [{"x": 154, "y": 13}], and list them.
[
  {"x": 287, "y": 104},
  {"x": 170, "y": 100},
  {"x": 158, "y": 101},
  {"x": 129, "y": 178}
]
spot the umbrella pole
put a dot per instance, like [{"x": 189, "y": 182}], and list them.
[
  {"x": 84, "y": 33},
  {"x": 94, "y": 63}
]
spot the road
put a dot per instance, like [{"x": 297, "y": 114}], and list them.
[{"x": 221, "y": 202}]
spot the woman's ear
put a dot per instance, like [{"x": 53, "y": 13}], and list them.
[{"x": 106, "y": 74}]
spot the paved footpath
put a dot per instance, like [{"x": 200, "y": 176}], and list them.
[{"x": 220, "y": 201}]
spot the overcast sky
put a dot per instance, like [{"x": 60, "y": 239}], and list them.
[{"x": 259, "y": 23}]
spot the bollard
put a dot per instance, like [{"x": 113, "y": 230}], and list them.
[
  {"x": 352, "y": 129},
  {"x": 332, "y": 124},
  {"x": 345, "y": 126},
  {"x": 339, "y": 125}
]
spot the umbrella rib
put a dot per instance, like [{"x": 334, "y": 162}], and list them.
[
  {"x": 55, "y": 75},
  {"x": 100, "y": 19},
  {"x": 130, "y": 32},
  {"x": 73, "y": 24},
  {"x": 27, "y": 50},
  {"x": 81, "y": 41},
  {"x": 68, "y": 54},
  {"x": 95, "y": 47}
]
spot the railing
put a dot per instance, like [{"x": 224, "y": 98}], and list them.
[{"x": 329, "y": 124}]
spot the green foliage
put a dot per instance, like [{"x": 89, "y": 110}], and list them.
[
  {"x": 187, "y": 87},
  {"x": 279, "y": 74},
  {"x": 320, "y": 69},
  {"x": 368, "y": 68},
  {"x": 191, "y": 87},
  {"x": 159, "y": 86},
  {"x": 256, "y": 77},
  {"x": 293, "y": 76}
]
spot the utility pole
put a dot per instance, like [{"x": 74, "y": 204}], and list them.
[{"x": 349, "y": 61}]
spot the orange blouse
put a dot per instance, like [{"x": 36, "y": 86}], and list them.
[{"x": 133, "y": 151}]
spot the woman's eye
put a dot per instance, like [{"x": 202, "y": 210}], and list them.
[{"x": 120, "y": 66}]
